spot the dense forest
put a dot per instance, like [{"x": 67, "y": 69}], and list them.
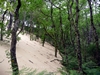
[{"x": 71, "y": 26}]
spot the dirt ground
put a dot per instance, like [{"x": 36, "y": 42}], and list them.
[{"x": 30, "y": 54}]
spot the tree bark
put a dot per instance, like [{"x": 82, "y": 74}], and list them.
[
  {"x": 2, "y": 26},
  {"x": 78, "y": 47},
  {"x": 14, "y": 63},
  {"x": 9, "y": 25},
  {"x": 71, "y": 20},
  {"x": 97, "y": 55},
  {"x": 53, "y": 26}
]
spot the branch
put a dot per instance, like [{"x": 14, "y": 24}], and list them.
[
  {"x": 44, "y": 13},
  {"x": 52, "y": 4},
  {"x": 4, "y": 15},
  {"x": 21, "y": 29},
  {"x": 17, "y": 10},
  {"x": 48, "y": 33},
  {"x": 10, "y": 23}
]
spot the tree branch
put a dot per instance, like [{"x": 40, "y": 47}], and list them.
[
  {"x": 17, "y": 10},
  {"x": 4, "y": 15}
]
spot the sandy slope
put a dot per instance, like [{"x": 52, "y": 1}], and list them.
[{"x": 30, "y": 54}]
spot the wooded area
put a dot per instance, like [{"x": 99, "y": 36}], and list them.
[{"x": 71, "y": 26}]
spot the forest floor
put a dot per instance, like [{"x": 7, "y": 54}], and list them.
[{"x": 30, "y": 54}]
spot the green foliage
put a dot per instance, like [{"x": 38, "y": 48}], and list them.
[
  {"x": 93, "y": 71},
  {"x": 91, "y": 68},
  {"x": 63, "y": 71},
  {"x": 28, "y": 71},
  {"x": 91, "y": 49},
  {"x": 18, "y": 38},
  {"x": 8, "y": 54},
  {"x": 89, "y": 65},
  {"x": 74, "y": 72},
  {"x": 38, "y": 13},
  {"x": 41, "y": 73},
  {"x": 1, "y": 24}
]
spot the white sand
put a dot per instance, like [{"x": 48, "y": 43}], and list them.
[{"x": 30, "y": 54}]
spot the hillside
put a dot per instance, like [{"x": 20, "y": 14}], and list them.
[{"x": 30, "y": 54}]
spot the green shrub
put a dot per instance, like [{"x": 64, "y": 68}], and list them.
[
  {"x": 74, "y": 72},
  {"x": 18, "y": 38},
  {"x": 72, "y": 63},
  {"x": 90, "y": 68}
]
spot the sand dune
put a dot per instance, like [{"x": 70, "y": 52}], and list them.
[{"x": 30, "y": 54}]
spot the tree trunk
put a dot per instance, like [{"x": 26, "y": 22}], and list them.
[
  {"x": 78, "y": 47},
  {"x": 9, "y": 25},
  {"x": 14, "y": 63},
  {"x": 56, "y": 45},
  {"x": 97, "y": 55},
  {"x": 71, "y": 20},
  {"x": 2, "y": 26},
  {"x": 61, "y": 29},
  {"x": 1, "y": 38},
  {"x": 53, "y": 26},
  {"x": 44, "y": 38}
]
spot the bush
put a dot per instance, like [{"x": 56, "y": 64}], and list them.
[{"x": 90, "y": 68}]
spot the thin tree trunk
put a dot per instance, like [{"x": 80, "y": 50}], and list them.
[
  {"x": 10, "y": 24},
  {"x": 55, "y": 51},
  {"x": 62, "y": 37},
  {"x": 71, "y": 20},
  {"x": 95, "y": 34},
  {"x": 61, "y": 29},
  {"x": 2, "y": 26},
  {"x": 44, "y": 37},
  {"x": 14, "y": 63},
  {"x": 53, "y": 26},
  {"x": 78, "y": 47},
  {"x": 1, "y": 38}
]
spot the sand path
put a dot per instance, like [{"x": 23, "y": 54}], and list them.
[{"x": 30, "y": 54}]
